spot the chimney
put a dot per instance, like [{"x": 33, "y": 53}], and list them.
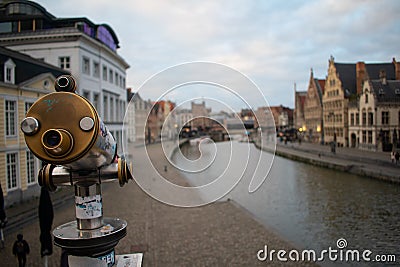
[
  {"x": 382, "y": 77},
  {"x": 396, "y": 69},
  {"x": 360, "y": 76}
]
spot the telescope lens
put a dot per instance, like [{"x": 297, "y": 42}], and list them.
[
  {"x": 57, "y": 142},
  {"x": 63, "y": 82},
  {"x": 52, "y": 138}
]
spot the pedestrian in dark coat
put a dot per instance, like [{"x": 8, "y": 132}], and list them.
[
  {"x": 20, "y": 250},
  {"x": 397, "y": 157}
]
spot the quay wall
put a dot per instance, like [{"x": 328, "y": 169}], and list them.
[{"x": 366, "y": 170}]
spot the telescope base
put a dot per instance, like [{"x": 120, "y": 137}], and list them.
[{"x": 91, "y": 243}]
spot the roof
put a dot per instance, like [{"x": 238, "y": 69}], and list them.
[
  {"x": 347, "y": 75},
  {"x": 26, "y": 66},
  {"x": 389, "y": 92},
  {"x": 320, "y": 85},
  {"x": 373, "y": 70},
  {"x": 19, "y": 10},
  {"x": 35, "y": 9},
  {"x": 301, "y": 98}
]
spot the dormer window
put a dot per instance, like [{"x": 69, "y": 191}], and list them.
[
  {"x": 9, "y": 71},
  {"x": 381, "y": 92}
]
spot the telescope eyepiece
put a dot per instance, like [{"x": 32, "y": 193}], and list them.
[
  {"x": 65, "y": 83},
  {"x": 52, "y": 138},
  {"x": 57, "y": 142}
]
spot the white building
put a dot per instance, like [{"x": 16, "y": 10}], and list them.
[
  {"x": 183, "y": 117},
  {"x": 25, "y": 80},
  {"x": 87, "y": 50},
  {"x": 138, "y": 112},
  {"x": 374, "y": 121}
]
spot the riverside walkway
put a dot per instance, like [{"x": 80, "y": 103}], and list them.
[
  {"x": 365, "y": 163},
  {"x": 218, "y": 234}
]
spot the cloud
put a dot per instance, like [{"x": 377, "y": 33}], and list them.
[{"x": 274, "y": 42}]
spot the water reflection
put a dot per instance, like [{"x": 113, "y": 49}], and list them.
[{"x": 313, "y": 207}]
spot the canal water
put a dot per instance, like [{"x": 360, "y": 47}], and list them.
[{"x": 309, "y": 206}]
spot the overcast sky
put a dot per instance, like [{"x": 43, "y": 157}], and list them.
[{"x": 275, "y": 43}]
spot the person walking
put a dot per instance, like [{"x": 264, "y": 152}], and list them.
[
  {"x": 392, "y": 156},
  {"x": 20, "y": 250},
  {"x": 397, "y": 157}
]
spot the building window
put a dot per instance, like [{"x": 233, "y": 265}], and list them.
[
  {"x": 11, "y": 118},
  {"x": 111, "y": 74},
  {"x": 12, "y": 167},
  {"x": 357, "y": 119},
  {"x": 364, "y": 137},
  {"x": 86, "y": 95},
  {"x": 370, "y": 118},
  {"x": 28, "y": 105},
  {"x": 96, "y": 101},
  {"x": 369, "y": 137},
  {"x": 385, "y": 117},
  {"x": 117, "y": 109},
  {"x": 105, "y": 105},
  {"x": 30, "y": 167},
  {"x": 111, "y": 109},
  {"x": 104, "y": 73},
  {"x": 26, "y": 25},
  {"x": 64, "y": 62},
  {"x": 122, "y": 105},
  {"x": 352, "y": 119},
  {"x": 5, "y": 27},
  {"x": 364, "y": 118},
  {"x": 86, "y": 65},
  {"x": 9, "y": 71},
  {"x": 8, "y": 74},
  {"x": 96, "y": 69},
  {"x": 366, "y": 98},
  {"x": 116, "y": 78}
]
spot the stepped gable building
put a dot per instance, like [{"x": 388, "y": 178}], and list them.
[
  {"x": 313, "y": 110},
  {"x": 339, "y": 87},
  {"x": 85, "y": 49},
  {"x": 23, "y": 80},
  {"x": 343, "y": 86},
  {"x": 374, "y": 120}
]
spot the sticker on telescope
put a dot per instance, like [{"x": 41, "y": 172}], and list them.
[
  {"x": 88, "y": 207},
  {"x": 109, "y": 258}
]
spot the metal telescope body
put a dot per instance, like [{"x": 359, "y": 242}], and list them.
[{"x": 64, "y": 130}]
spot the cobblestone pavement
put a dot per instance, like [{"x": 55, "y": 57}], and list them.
[{"x": 218, "y": 234}]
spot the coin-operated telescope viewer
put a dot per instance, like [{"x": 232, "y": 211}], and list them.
[{"x": 64, "y": 130}]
